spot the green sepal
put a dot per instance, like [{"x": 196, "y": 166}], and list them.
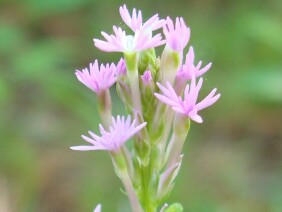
[
  {"x": 175, "y": 207},
  {"x": 176, "y": 59},
  {"x": 156, "y": 160},
  {"x": 156, "y": 67},
  {"x": 148, "y": 102},
  {"x": 156, "y": 132},
  {"x": 167, "y": 194},
  {"x": 181, "y": 125},
  {"x": 147, "y": 107},
  {"x": 170, "y": 63},
  {"x": 136, "y": 180},
  {"x": 167, "y": 179},
  {"x": 124, "y": 93},
  {"x": 146, "y": 59},
  {"x": 142, "y": 148},
  {"x": 122, "y": 191},
  {"x": 142, "y": 144},
  {"x": 119, "y": 162},
  {"x": 131, "y": 60}
]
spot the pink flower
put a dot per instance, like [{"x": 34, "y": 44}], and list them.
[
  {"x": 120, "y": 42},
  {"x": 97, "y": 79},
  {"x": 178, "y": 35},
  {"x": 135, "y": 21},
  {"x": 189, "y": 69},
  {"x": 188, "y": 105},
  {"x": 121, "y": 130}
]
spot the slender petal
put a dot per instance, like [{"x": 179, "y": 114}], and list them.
[
  {"x": 209, "y": 100},
  {"x": 169, "y": 91},
  {"x": 189, "y": 69}
]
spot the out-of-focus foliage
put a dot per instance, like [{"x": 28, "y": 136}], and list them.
[{"x": 232, "y": 162}]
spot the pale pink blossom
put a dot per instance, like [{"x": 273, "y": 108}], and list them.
[
  {"x": 188, "y": 69},
  {"x": 177, "y": 35},
  {"x": 98, "y": 78},
  {"x": 121, "y": 42},
  {"x": 187, "y": 105},
  {"x": 135, "y": 21},
  {"x": 121, "y": 130}
]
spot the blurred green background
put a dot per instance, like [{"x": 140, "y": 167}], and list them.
[{"x": 233, "y": 161}]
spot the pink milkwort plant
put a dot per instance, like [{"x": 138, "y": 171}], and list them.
[{"x": 160, "y": 95}]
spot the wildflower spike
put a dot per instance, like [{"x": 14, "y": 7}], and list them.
[{"x": 147, "y": 84}]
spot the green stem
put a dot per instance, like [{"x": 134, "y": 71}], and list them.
[
  {"x": 148, "y": 201},
  {"x": 131, "y": 60},
  {"x": 105, "y": 108},
  {"x": 121, "y": 167},
  {"x": 150, "y": 179},
  {"x": 130, "y": 192},
  {"x": 181, "y": 128}
]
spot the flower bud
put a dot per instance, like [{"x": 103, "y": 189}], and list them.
[
  {"x": 167, "y": 178},
  {"x": 146, "y": 58},
  {"x": 124, "y": 92},
  {"x": 142, "y": 144},
  {"x": 170, "y": 63}
]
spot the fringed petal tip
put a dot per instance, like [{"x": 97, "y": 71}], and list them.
[{"x": 119, "y": 132}]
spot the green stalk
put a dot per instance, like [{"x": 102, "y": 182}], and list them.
[
  {"x": 131, "y": 60},
  {"x": 121, "y": 169},
  {"x": 105, "y": 108},
  {"x": 148, "y": 192},
  {"x": 150, "y": 180},
  {"x": 181, "y": 128}
]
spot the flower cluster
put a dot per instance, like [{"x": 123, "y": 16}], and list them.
[{"x": 160, "y": 93}]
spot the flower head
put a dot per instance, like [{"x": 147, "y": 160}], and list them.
[
  {"x": 119, "y": 132},
  {"x": 189, "y": 69},
  {"x": 178, "y": 35},
  {"x": 97, "y": 79},
  {"x": 187, "y": 105},
  {"x": 135, "y": 21},
  {"x": 121, "y": 42}
]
